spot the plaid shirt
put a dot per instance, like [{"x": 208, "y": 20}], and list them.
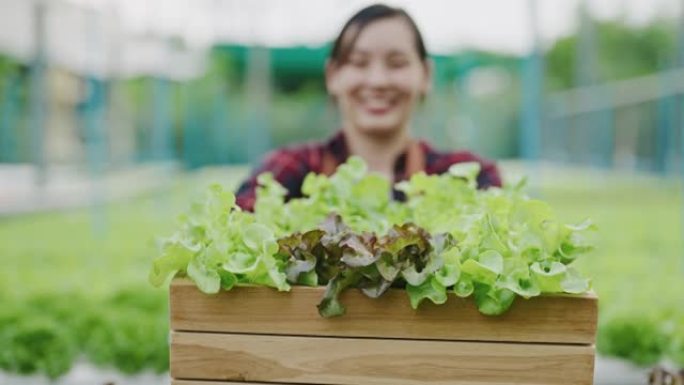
[{"x": 290, "y": 165}]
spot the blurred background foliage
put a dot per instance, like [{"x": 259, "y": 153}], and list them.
[{"x": 469, "y": 86}]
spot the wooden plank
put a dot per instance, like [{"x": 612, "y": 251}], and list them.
[
  {"x": 352, "y": 361},
  {"x": 259, "y": 310}
]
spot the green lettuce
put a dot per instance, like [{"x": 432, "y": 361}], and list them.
[{"x": 447, "y": 238}]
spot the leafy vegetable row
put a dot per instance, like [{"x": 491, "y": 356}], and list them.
[{"x": 447, "y": 236}]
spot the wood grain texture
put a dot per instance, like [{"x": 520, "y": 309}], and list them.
[
  {"x": 259, "y": 310},
  {"x": 352, "y": 361}
]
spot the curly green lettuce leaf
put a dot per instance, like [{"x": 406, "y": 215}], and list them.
[
  {"x": 576, "y": 240},
  {"x": 521, "y": 284},
  {"x": 228, "y": 279},
  {"x": 430, "y": 289},
  {"x": 493, "y": 301},
  {"x": 260, "y": 239},
  {"x": 205, "y": 276},
  {"x": 549, "y": 275},
  {"x": 466, "y": 170},
  {"x": 464, "y": 287},
  {"x": 574, "y": 282},
  {"x": 176, "y": 254},
  {"x": 486, "y": 268},
  {"x": 448, "y": 274}
]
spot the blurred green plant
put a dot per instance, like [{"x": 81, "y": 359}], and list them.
[{"x": 623, "y": 51}]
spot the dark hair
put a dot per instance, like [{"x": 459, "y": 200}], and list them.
[{"x": 361, "y": 19}]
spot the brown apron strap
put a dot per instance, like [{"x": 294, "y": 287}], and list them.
[
  {"x": 329, "y": 164},
  {"x": 415, "y": 160}
]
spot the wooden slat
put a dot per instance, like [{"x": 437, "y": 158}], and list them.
[
  {"x": 259, "y": 310},
  {"x": 353, "y": 361}
]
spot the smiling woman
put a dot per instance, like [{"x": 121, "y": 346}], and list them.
[{"x": 378, "y": 71}]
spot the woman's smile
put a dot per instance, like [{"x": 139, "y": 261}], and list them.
[{"x": 377, "y": 105}]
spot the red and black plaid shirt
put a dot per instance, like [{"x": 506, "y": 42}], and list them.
[{"x": 290, "y": 165}]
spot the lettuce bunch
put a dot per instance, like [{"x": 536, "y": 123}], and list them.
[{"x": 346, "y": 231}]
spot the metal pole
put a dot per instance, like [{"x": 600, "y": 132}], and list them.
[
  {"x": 532, "y": 74},
  {"x": 222, "y": 148},
  {"x": 468, "y": 119},
  {"x": 668, "y": 115},
  {"x": 95, "y": 125},
  {"x": 37, "y": 92},
  {"x": 8, "y": 122},
  {"x": 666, "y": 127},
  {"x": 595, "y": 130},
  {"x": 161, "y": 125},
  {"x": 259, "y": 97},
  {"x": 186, "y": 128},
  {"x": 585, "y": 57},
  {"x": 680, "y": 106}
]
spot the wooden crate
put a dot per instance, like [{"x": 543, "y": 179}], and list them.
[{"x": 256, "y": 335}]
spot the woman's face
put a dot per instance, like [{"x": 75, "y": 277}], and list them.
[{"x": 379, "y": 85}]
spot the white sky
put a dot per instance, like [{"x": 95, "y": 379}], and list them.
[
  {"x": 447, "y": 24},
  {"x": 132, "y": 36}
]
